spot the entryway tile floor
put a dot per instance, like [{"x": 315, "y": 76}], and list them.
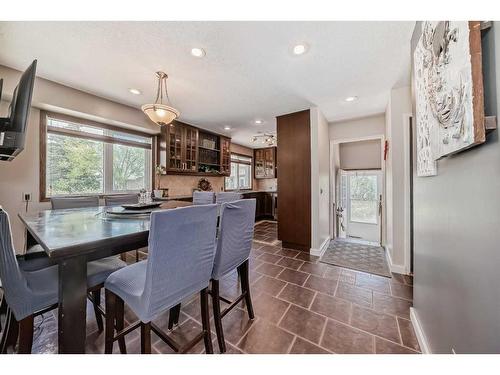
[{"x": 301, "y": 306}]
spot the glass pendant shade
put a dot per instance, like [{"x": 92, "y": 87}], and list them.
[{"x": 159, "y": 113}]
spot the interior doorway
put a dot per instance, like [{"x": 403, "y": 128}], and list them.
[
  {"x": 361, "y": 205},
  {"x": 358, "y": 189}
]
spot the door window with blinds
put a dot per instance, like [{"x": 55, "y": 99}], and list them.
[
  {"x": 241, "y": 173},
  {"x": 83, "y": 157}
]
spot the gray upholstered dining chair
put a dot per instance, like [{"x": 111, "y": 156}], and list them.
[
  {"x": 29, "y": 293},
  {"x": 233, "y": 249},
  {"x": 74, "y": 202},
  {"x": 226, "y": 196},
  {"x": 118, "y": 200},
  {"x": 203, "y": 197},
  {"x": 180, "y": 263}
]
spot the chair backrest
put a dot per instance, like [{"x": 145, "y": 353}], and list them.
[
  {"x": 180, "y": 255},
  {"x": 235, "y": 236},
  {"x": 14, "y": 283},
  {"x": 74, "y": 202},
  {"x": 226, "y": 196},
  {"x": 203, "y": 197},
  {"x": 118, "y": 200}
]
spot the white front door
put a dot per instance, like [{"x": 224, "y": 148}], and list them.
[{"x": 363, "y": 190}]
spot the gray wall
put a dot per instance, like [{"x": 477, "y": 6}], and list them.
[{"x": 457, "y": 238}]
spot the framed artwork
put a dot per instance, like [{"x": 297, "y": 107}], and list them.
[{"x": 448, "y": 89}]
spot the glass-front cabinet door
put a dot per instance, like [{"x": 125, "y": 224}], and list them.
[
  {"x": 191, "y": 149},
  {"x": 259, "y": 164},
  {"x": 226, "y": 156},
  {"x": 175, "y": 140}
]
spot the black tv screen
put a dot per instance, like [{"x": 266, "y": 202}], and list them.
[{"x": 13, "y": 127}]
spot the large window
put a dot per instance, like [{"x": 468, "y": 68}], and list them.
[
  {"x": 83, "y": 157},
  {"x": 363, "y": 199},
  {"x": 241, "y": 173}
]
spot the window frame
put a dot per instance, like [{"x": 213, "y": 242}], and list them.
[
  {"x": 250, "y": 163},
  {"x": 108, "y": 161}
]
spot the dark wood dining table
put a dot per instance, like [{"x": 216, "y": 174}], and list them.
[{"x": 72, "y": 238}]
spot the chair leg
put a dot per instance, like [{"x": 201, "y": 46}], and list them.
[
  {"x": 9, "y": 317},
  {"x": 120, "y": 323},
  {"x": 110, "y": 321},
  {"x": 217, "y": 316},
  {"x": 145, "y": 338},
  {"x": 245, "y": 287},
  {"x": 205, "y": 320},
  {"x": 3, "y": 309},
  {"x": 123, "y": 257},
  {"x": 173, "y": 316},
  {"x": 25, "y": 335},
  {"x": 137, "y": 256},
  {"x": 96, "y": 296},
  {"x": 10, "y": 333}
]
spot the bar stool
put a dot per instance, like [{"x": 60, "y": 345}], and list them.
[
  {"x": 203, "y": 197},
  {"x": 180, "y": 262},
  {"x": 233, "y": 249}
]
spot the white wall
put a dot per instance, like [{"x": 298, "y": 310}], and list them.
[
  {"x": 358, "y": 128},
  {"x": 320, "y": 180},
  {"x": 398, "y": 110},
  {"x": 55, "y": 97}
]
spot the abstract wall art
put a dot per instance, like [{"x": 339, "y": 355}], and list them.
[{"x": 448, "y": 88}]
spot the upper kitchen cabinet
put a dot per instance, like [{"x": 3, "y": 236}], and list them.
[
  {"x": 225, "y": 156},
  {"x": 181, "y": 147},
  {"x": 265, "y": 162},
  {"x": 185, "y": 149}
]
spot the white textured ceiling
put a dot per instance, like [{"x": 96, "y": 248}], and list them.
[{"x": 248, "y": 72}]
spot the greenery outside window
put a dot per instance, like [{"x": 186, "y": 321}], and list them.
[
  {"x": 241, "y": 173},
  {"x": 80, "y": 157}
]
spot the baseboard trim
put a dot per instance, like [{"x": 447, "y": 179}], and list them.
[
  {"x": 396, "y": 268},
  {"x": 319, "y": 252},
  {"x": 419, "y": 332}
]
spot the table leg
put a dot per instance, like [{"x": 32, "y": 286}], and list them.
[{"x": 72, "y": 305}]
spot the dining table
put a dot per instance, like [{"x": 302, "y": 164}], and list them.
[{"x": 74, "y": 237}]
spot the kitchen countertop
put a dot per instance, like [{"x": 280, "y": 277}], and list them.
[
  {"x": 177, "y": 197},
  {"x": 258, "y": 191}
]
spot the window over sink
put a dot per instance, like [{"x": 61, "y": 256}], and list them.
[
  {"x": 84, "y": 157},
  {"x": 241, "y": 173}
]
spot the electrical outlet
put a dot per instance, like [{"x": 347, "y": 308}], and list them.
[{"x": 26, "y": 197}]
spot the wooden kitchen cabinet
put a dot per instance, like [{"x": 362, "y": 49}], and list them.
[
  {"x": 265, "y": 163},
  {"x": 225, "y": 162},
  {"x": 263, "y": 204},
  {"x": 181, "y": 151},
  {"x": 181, "y": 147}
]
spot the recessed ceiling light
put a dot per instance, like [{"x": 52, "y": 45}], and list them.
[
  {"x": 197, "y": 52},
  {"x": 300, "y": 49},
  {"x": 135, "y": 91},
  {"x": 351, "y": 98},
  {"x": 259, "y": 122},
  {"x": 227, "y": 128}
]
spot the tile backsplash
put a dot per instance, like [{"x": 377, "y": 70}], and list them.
[
  {"x": 184, "y": 185},
  {"x": 266, "y": 184}
]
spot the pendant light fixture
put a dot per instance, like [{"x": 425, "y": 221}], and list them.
[{"x": 161, "y": 114}]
